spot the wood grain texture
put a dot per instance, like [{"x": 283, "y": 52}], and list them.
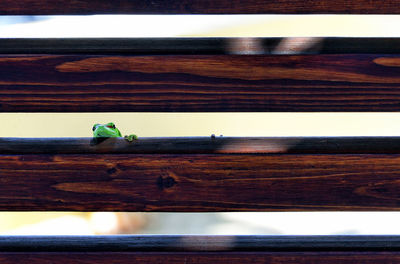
[
  {"x": 201, "y": 258},
  {"x": 64, "y": 7},
  {"x": 199, "y": 83},
  {"x": 203, "y": 145},
  {"x": 199, "y": 182}
]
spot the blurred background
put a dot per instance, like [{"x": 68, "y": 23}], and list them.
[{"x": 200, "y": 124}]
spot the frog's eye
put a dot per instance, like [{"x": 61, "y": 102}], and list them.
[
  {"x": 111, "y": 126},
  {"x": 94, "y": 127}
]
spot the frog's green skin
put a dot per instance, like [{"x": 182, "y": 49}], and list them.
[{"x": 109, "y": 130}]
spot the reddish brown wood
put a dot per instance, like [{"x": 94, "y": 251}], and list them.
[
  {"x": 203, "y": 258},
  {"x": 52, "y": 7},
  {"x": 202, "y": 182},
  {"x": 200, "y": 83}
]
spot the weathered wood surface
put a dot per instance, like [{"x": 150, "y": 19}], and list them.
[
  {"x": 203, "y": 145},
  {"x": 64, "y": 7},
  {"x": 199, "y": 182},
  {"x": 201, "y": 258},
  {"x": 200, "y": 83},
  {"x": 199, "y": 243}
]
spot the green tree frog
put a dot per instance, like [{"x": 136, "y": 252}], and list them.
[{"x": 109, "y": 130}]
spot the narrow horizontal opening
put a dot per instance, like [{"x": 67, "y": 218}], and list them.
[
  {"x": 237, "y": 223},
  {"x": 133, "y": 26},
  {"x": 42, "y": 125}
]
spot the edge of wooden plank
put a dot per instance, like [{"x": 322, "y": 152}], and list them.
[
  {"x": 198, "y": 243},
  {"x": 197, "y": 46},
  {"x": 86, "y": 7},
  {"x": 203, "y": 145}
]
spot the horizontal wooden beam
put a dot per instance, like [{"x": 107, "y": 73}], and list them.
[
  {"x": 200, "y": 249},
  {"x": 200, "y": 243},
  {"x": 199, "y": 182},
  {"x": 197, "y": 46},
  {"x": 84, "y": 7},
  {"x": 203, "y": 145},
  {"x": 199, "y": 83},
  {"x": 200, "y": 257},
  {"x": 135, "y": 46}
]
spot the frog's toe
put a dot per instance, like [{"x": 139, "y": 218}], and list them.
[{"x": 131, "y": 138}]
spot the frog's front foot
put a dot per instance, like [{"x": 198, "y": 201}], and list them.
[{"x": 131, "y": 138}]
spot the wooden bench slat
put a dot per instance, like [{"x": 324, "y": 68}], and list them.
[
  {"x": 200, "y": 83},
  {"x": 200, "y": 249},
  {"x": 200, "y": 243},
  {"x": 199, "y": 182},
  {"x": 196, "y": 46},
  {"x": 83, "y": 7},
  {"x": 135, "y": 46},
  {"x": 201, "y": 258},
  {"x": 203, "y": 145}
]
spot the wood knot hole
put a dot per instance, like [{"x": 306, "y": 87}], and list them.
[
  {"x": 111, "y": 170},
  {"x": 165, "y": 183}
]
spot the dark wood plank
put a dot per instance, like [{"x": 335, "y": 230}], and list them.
[
  {"x": 201, "y": 258},
  {"x": 200, "y": 243},
  {"x": 199, "y": 182},
  {"x": 200, "y": 249},
  {"x": 200, "y": 83},
  {"x": 197, "y": 46},
  {"x": 60, "y": 7},
  {"x": 135, "y": 46},
  {"x": 203, "y": 145}
]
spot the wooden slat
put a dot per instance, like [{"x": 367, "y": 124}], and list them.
[
  {"x": 53, "y": 7},
  {"x": 201, "y": 258},
  {"x": 196, "y": 46},
  {"x": 200, "y": 83},
  {"x": 135, "y": 46},
  {"x": 200, "y": 249},
  {"x": 199, "y": 243},
  {"x": 199, "y": 182},
  {"x": 203, "y": 145}
]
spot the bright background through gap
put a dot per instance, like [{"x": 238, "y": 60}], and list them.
[{"x": 129, "y": 26}]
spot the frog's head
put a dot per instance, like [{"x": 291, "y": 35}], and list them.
[{"x": 106, "y": 130}]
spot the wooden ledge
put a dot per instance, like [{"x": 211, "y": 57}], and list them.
[
  {"x": 200, "y": 249},
  {"x": 198, "y": 243},
  {"x": 197, "y": 46},
  {"x": 203, "y": 145}
]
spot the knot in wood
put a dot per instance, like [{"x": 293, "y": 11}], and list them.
[
  {"x": 111, "y": 170},
  {"x": 165, "y": 183}
]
